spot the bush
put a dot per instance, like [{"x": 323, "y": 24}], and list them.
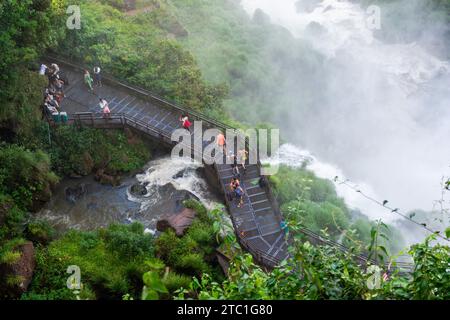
[
  {"x": 190, "y": 253},
  {"x": 193, "y": 263},
  {"x": 40, "y": 231},
  {"x": 25, "y": 175},
  {"x": 81, "y": 151},
  {"x": 174, "y": 281},
  {"x": 106, "y": 269},
  {"x": 128, "y": 241},
  {"x": 12, "y": 218}
]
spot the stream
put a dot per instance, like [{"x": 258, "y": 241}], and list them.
[{"x": 85, "y": 204}]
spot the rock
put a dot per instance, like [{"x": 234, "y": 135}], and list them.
[
  {"x": 88, "y": 164},
  {"x": 41, "y": 198},
  {"x": 138, "y": 189},
  {"x": 183, "y": 173},
  {"x": 183, "y": 196},
  {"x": 104, "y": 178},
  {"x": 178, "y": 222},
  {"x": 22, "y": 270},
  {"x": 75, "y": 193}
]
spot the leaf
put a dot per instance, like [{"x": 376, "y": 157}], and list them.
[
  {"x": 447, "y": 232},
  {"x": 385, "y": 202},
  {"x": 153, "y": 282},
  {"x": 382, "y": 248},
  {"x": 150, "y": 294},
  {"x": 382, "y": 235},
  {"x": 155, "y": 264}
]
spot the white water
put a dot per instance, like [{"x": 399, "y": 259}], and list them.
[
  {"x": 164, "y": 171},
  {"x": 387, "y": 123}
]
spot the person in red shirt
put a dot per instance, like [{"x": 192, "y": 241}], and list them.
[{"x": 185, "y": 122}]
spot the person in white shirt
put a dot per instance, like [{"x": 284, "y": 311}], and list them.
[
  {"x": 55, "y": 68},
  {"x": 43, "y": 69},
  {"x": 103, "y": 103}
]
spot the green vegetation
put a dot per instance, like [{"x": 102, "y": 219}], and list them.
[
  {"x": 194, "y": 252},
  {"x": 76, "y": 151},
  {"x": 111, "y": 262},
  {"x": 121, "y": 259},
  {"x": 256, "y": 59},
  {"x": 25, "y": 176},
  {"x": 325, "y": 273},
  {"x": 145, "y": 56},
  {"x": 231, "y": 67},
  {"x": 313, "y": 203}
]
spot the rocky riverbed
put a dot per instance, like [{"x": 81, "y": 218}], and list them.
[{"x": 159, "y": 189}]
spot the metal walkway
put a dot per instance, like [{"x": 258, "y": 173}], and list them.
[{"x": 257, "y": 223}]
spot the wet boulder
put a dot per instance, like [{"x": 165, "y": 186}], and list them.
[
  {"x": 179, "y": 222},
  {"x": 107, "y": 179},
  {"x": 138, "y": 189},
  {"x": 75, "y": 193}
]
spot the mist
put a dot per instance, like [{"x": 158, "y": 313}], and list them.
[{"x": 376, "y": 109}]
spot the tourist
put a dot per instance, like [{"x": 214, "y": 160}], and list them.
[
  {"x": 233, "y": 185},
  {"x": 185, "y": 122},
  {"x": 243, "y": 156},
  {"x": 50, "y": 101},
  {"x": 58, "y": 85},
  {"x": 103, "y": 104},
  {"x": 239, "y": 192},
  {"x": 234, "y": 164},
  {"x": 97, "y": 76},
  {"x": 55, "y": 69},
  {"x": 106, "y": 111},
  {"x": 88, "y": 80},
  {"x": 43, "y": 69},
  {"x": 221, "y": 142}
]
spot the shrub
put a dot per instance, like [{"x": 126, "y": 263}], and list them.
[
  {"x": 174, "y": 281},
  {"x": 25, "y": 175},
  {"x": 40, "y": 231},
  {"x": 193, "y": 263},
  {"x": 106, "y": 268},
  {"x": 129, "y": 241}
]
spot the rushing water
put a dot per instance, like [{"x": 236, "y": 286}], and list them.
[
  {"x": 167, "y": 182},
  {"x": 383, "y": 119}
]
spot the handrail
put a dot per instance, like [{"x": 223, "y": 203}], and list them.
[{"x": 81, "y": 66}]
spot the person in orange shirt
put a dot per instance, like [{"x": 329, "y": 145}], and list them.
[{"x": 222, "y": 142}]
